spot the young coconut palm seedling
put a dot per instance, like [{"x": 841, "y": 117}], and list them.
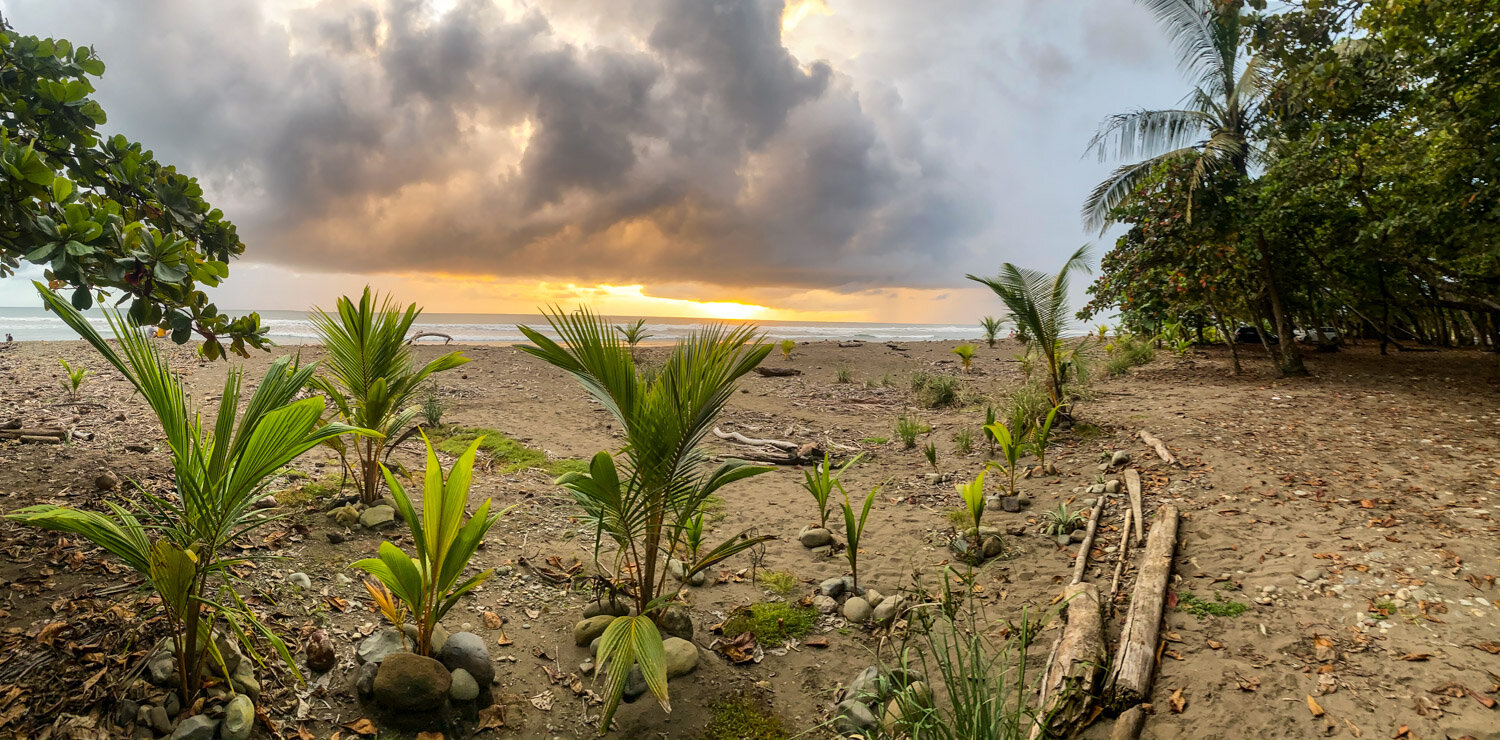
[
  {"x": 973, "y": 496},
  {"x": 820, "y": 482},
  {"x": 965, "y": 353},
  {"x": 633, "y": 334},
  {"x": 75, "y": 378},
  {"x": 1010, "y": 448},
  {"x": 645, "y": 502},
  {"x": 854, "y": 531},
  {"x": 991, "y": 327},
  {"x": 787, "y": 346},
  {"x": 429, "y": 586},
  {"x": 179, "y": 542},
  {"x": 1040, "y": 435}
]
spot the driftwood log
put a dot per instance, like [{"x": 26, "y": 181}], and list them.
[
  {"x": 1081, "y": 563},
  {"x": 1129, "y": 724},
  {"x": 1161, "y": 449},
  {"x": 1067, "y": 692},
  {"x": 1130, "y": 676},
  {"x": 36, "y": 435},
  {"x": 1133, "y": 489},
  {"x": 777, "y": 372},
  {"x": 774, "y": 451},
  {"x": 446, "y": 338},
  {"x": 1114, "y": 584}
]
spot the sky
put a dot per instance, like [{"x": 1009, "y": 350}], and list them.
[{"x": 842, "y": 160}]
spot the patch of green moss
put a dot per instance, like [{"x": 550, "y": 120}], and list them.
[
  {"x": 312, "y": 490},
  {"x": 713, "y": 510},
  {"x": 779, "y": 582},
  {"x": 875, "y": 440},
  {"x": 1219, "y": 607},
  {"x": 772, "y": 622},
  {"x": 742, "y": 718},
  {"x": 508, "y": 454},
  {"x": 960, "y": 519}
]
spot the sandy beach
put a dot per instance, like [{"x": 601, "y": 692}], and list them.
[{"x": 1355, "y": 515}]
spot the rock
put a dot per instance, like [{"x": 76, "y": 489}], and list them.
[
  {"x": 682, "y": 656},
  {"x": 874, "y": 597},
  {"x": 107, "y": 481},
  {"x": 196, "y": 727},
  {"x": 677, "y": 621},
  {"x": 920, "y": 694},
  {"x": 239, "y": 718},
  {"x": 832, "y": 588},
  {"x": 857, "y": 610},
  {"x": 698, "y": 579},
  {"x": 1077, "y": 535},
  {"x": 1096, "y": 489},
  {"x": 335, "y": 538},
  {"x": 436, "y": 640},
  {"x": 890, "y": 720},
  {"x": 586, "y": 667},
  {"x": 172, "y": 704},
  {"x": 594, "y": 647},
  {"x": 378, "y": 517},
  {"x": 411, "y": 682},
  {"x": 852, "y": 717},
  {"x": 1118, "y": 459},
  {"x": 1112, "y": 486},
  {"x": 825, "y": 551},
  {"x": 244, "y": 681},
  {"x": 677, "y": 569},
  {"x": 229, "y": 652},
  {"x": 865, "y": 686},
  {"x": 159, "y": 720},
  {"x": 320, "y": 652},
  {"x": 614, "y": 607},
  {"x": 1011, "y": 504},
  {"x": 1311, "y": 574},
  {"x": 1016, "y": 530},
  {"x": 635, "y": 685},
  {"x": 825, "y": 604},
  {"x": 466, "y": 650},
  {"x": 584, "y": 632},
  {"x": 364, "y": 684},
  {"x": 464, "y": 687},
  {"x": 126, "y": 712},
  {"x": 379, "y": 646},
  {"x": 345, "y": 516},
  {"x": 811, "y": 537},
  {"x": 888, "y": 609},
  {"x": 162, "y": 670},
  {"x": 992, "y": 546},
  {"x": 300, "y": 580}
]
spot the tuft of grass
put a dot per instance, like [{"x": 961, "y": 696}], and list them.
[
  {"x": 1219, "y": 607},
  {"x": 936, "y": 391},
  {"x": 742, "y": 718},
  {"x": 907, "y": 429},
  {"x": 874, "y": 440},
  {"x": 778, "y": 582},
  {"x": 963, "y": 441},
  {"x": 930, "y": 452},
  {"x": 772, "y": 622},
  {"x": 1029, "y": 402},
  {"x": 845, "y": 375},
  {"x": 507, "y": 454}
]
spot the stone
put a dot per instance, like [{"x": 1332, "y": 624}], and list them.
[
  {"x": 1118, "y": 459},
  {"x": 874, "y": 597},
  {"x": 811, "y": 537},
  {"x": 172, "y": 704},
  {"x": 1077, "y": 535},
  {"x": 890, "y": 720},
  {"x": 594, "y": 647},
  {"x": 1112, "y": 486},
  {"x": 344, "y": 516},
  {"x": 992, "y": 546},
  {"x": 321, "y": 655},
  {"x": 1096, "y": 489},
  {"x": 888, "y": 609},
  {"x": 857, "y": 610},
  {"x": 159, "y": 720},
  {"x": 852, "y": 717},
  {"x": 229, "y": 652},
  {"x": 466, "y": 650},
  {"x": 614, "y": 607},
  {"x": 239, "y": 718},
  {"x": 832, "y": 588},
  {"x": 300, "y": 580},
  {"x": 864, "y": 686},
  {"x": 411, "y": 682},
  {"x": 586, "y": 667},
  {"x": 107, "y": 481},
  {"x": 162, "y": 670},
  {"x": 698, "y": 579},
  {"x": 584, "y": 632},
  {"x": 677, "y": 569},
  {"x": 920, "y": 694},
  {"x": 196, "y": 727},
  {"x": 464, "y": 687},
  {"x": 436, "y": 640},
  {"x": 378, "y": 517},
  {"x": 126, "y": 712},
  {"x": 1010, "y": 504},
  {"x": 825, "y": 604},
  {"x": 825, "y": 551},
  {"x": 682, "y": 656},
  {"x": 635, "y": 685},
  {"x": 677, "y": 621},
  {"x": 245, "y": 682},
  {"x": 1311, "y": 574},
  {"x": 364, "y": 684},
  {"x": 377, "y": 647}
]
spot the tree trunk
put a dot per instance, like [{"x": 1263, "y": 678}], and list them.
[
  {"x": 1234, "y": 351},
  {"x": 1290, "y": 363}
]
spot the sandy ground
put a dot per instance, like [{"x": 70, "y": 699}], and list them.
[{"x": 1378, "y": 476}]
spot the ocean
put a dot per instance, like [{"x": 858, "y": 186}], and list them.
[{"x": 293, "y": 327}]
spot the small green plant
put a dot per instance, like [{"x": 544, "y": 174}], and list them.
[
  {"x": 939, "y": 391},
  {"x": 692, "y": 539},
  {"x": 963, "y": 442},
  {"x": 429, "y": 586},
  {"x": 845, "y": 375},
  {"x": 907, "y": 430},
  {"x": 1028, "y": 403},
  {"x": 633, "y": 334},
  {"x": 820, "y": 482},
  {"x": 965, "y": 353},
  {"x": 1102, "y": 332},
  {"x": 1040, "y": 435},
  {"x": 433, "y": 406},
  {"x": 989, "y": 418},
  {"x": 741, "y": 718},
  {"x": 787, "y": 346},
  {"x": 75, "y": 377},
  {"x": 991, "y": 329},
  {"x": 960, "y": 519},
  {"x": 1219, "y": 607},
  {"x": 875, "y": 440},
  {"x": 1010, "y": 452},
  {"x": 779, "y": 582},
  {"x": 772, "y": 622},
  {"x": 930, "y": 452},
  {"x": 919, "y": 380},
  {"x": 1061, "y": 521},
  {"x": 973, "y": 495},
  {"x": 854, "y": 530}
]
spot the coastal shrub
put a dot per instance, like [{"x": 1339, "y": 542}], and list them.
[
  {"x": 965, "y": 354},
  {"x": 369, "y": 376},
  {"x": 646, "y": 504},
  {"x": 429, "y": 586},
  {"x": 939, "y": 391},
  {"x": 991, "y": 326},
  {"x": 907, "y": 429},
  {"x": 73, "y": 378},
  {"x": 919, "y": 380},
  {"x": 741, "y": 718},
  {"x": 820, "y": 482},
  {"x": 772, "y": 622},
  {"x": 179, "y": 543}
]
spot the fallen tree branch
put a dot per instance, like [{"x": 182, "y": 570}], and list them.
[
  {"x": 1133, "y": 489},
  {"x": 1129, "y": 724},
  {"x": 742, "y": 439},
  {"x": 1114, "y": 584},
  {"x": 33, "y": 432},
  {"x": 1067, "y": 692},
  {"x": 1131, "y": 674},
  {"x": 446, "y": 338},
  {"x": 1161, "y": 449},
  {"x": 777, "y": 372},
  {"x": 1081, "y": 563}
]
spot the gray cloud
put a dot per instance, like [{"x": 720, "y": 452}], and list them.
[{"x": 648, "y": 140}]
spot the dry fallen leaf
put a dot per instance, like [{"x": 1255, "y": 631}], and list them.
[
  {"x": 429, "y": 735},
  {"x": 542, "y": 701},
  {"x": 1312, "y": 706},
  {"x": 361, "y": 726},
  {"x": 1215, "y": 645},
  {"x": 1177, "y": 701},
  {"x": 1401, "y": 732},
  {"x": 1416, "y": 656},
  {"x": 532, "y": 613},
  {"x": 1249, "y": 684},
  {"x": 490, "y": 718},
  {"x": 1493, "y": 648},
  {"x": 493, "y": 621}
]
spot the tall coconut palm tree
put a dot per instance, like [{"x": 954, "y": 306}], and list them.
[
  {"x": 1215, "y": 129},
  {"x": 1038, "y": 304}
]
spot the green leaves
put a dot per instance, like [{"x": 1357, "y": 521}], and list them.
[
  {"x": 626, "y": 643},
  {"x": 973, "y": 496}
]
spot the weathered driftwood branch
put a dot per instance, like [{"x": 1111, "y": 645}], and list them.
[
  {"x": 1161, "y": 449},
  {"x": 446, "y": 338},
  {"x": 1067, "y": 692},
  {"x": 777, "y": 372},
  {"x": 1130, "y": 676},
  {"x": 1114, "y": 584},
  {"x": 34, "y": 432},
  {"x": 742, "y": 439},
  {"x": 1129, "y": 724},
  {"x": 1133, "y": 489},
  {"x": 1081, "y": 563},
  {"x": 774, "y": 451}
]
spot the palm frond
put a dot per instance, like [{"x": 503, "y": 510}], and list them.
[{"x": 1122, "y": 185}]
